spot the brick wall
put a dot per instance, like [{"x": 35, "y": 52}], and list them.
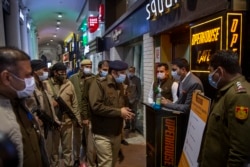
[
  {"x": 148, "y": 63},
  {"x": 148, "y": 72}
]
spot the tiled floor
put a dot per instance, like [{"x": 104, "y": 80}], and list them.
[{"x": 135, "y": 152}]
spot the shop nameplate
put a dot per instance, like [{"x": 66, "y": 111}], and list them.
[
  {"x": 168, "y": 148},
  {"x": 205, "y": 38},
  {"x": 159, "y": 7},
  {"x": 234, "y": 33}
]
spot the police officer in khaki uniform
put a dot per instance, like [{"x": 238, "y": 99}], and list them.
[
  {"x": 107, "y": 113},
  {"x": 40, "y": 100},
  {"x": 103, "y": 68},
  {"x": 78, "y": 80},
  {"x": 226, "y": 139},
  {"x": 59, "y": 86}
]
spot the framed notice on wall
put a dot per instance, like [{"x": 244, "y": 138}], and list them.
[
  {"x": 157, "y": 55},
  {"x": 197, "y": 120}
]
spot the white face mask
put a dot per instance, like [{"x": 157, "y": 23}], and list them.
[
  {"x": 86, "y": 70},
  {"x": 44, "y": 76},
  {"x": 161, "y": 75},
  {"x": 29, "y": 87}
]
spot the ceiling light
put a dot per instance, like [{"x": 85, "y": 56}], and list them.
[
  {"x": 57, "y": 28},
  {"x": 58, "y": 22},
  {"x": 54, "y": 36},
  {"x": 51, "y": 40},
  {"x": 59, "y": 15}
]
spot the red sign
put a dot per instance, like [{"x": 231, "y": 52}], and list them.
[
  {"x": 93, "y": 23},
  {"x": 101, "y": 12}
]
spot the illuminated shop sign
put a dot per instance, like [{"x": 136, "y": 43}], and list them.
[
  {"x": 223, "y": 32},
  {"x": 205, "y": 38},
  {"x": 169, "y": 134},
  {"x": 234, "y": 33},
  {"x": 159, "y": 7},
  {"x": 93, "y": 23}
]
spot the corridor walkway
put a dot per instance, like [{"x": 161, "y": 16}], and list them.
[{"x": 135, "y": 152}]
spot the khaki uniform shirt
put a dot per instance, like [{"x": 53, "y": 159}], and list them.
[
  {"x": 67, "y": 92},
  {"x": 106, "y": 101},
  {"x": 79, "y": 82},
  {"x": 86, "y": 107},
  {"x": 43, "y": 99},
  {"x": 226, "y": 140}
]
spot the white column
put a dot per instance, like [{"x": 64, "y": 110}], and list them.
[
  {"x": 2, "y": 33},
  {"x": 33, "y": 43},
  {"x": 24, "y": 32},
  {"x": 13, "y": 25}
]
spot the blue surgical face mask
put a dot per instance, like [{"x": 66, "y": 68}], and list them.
[
  {"x": 121, "y": 78},
  {"x": 211, "y": 81},
  {"x": 103, "y": 73},
  {"x": 175, "y": 75}
]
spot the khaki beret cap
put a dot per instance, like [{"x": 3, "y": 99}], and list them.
[{"x": 86, "y": 62}]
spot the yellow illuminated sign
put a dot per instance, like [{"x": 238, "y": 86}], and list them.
[
  {"x": 203, "y": 56},
  {"x": 69, "y": 37},
  {"x": 206, "y": 36},
  {"x": 234, "y": 33}
]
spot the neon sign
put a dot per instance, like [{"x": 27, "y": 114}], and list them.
[
  {"x": 234, "y": 33},
  {"x": 205, "y": 38}
]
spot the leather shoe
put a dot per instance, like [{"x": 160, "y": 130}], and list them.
[
  {"x": 120, "y": 156},
  {"x": 124, "y": 142},
  {"x": 76, "y": 163}
]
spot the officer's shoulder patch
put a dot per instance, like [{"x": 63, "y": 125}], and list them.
[
  {"x": 239, "y": 88},
  {"x": 241, "y": 112}
]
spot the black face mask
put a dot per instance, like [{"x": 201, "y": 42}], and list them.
[{"x": 60, "y": 78}]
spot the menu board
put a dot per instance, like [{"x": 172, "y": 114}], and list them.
[{"x": 197, "y": 120}]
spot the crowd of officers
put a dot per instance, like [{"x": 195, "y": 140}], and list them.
[
  {"x": 51, "y": 116},
  {"x": 43, "y": 110}
]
